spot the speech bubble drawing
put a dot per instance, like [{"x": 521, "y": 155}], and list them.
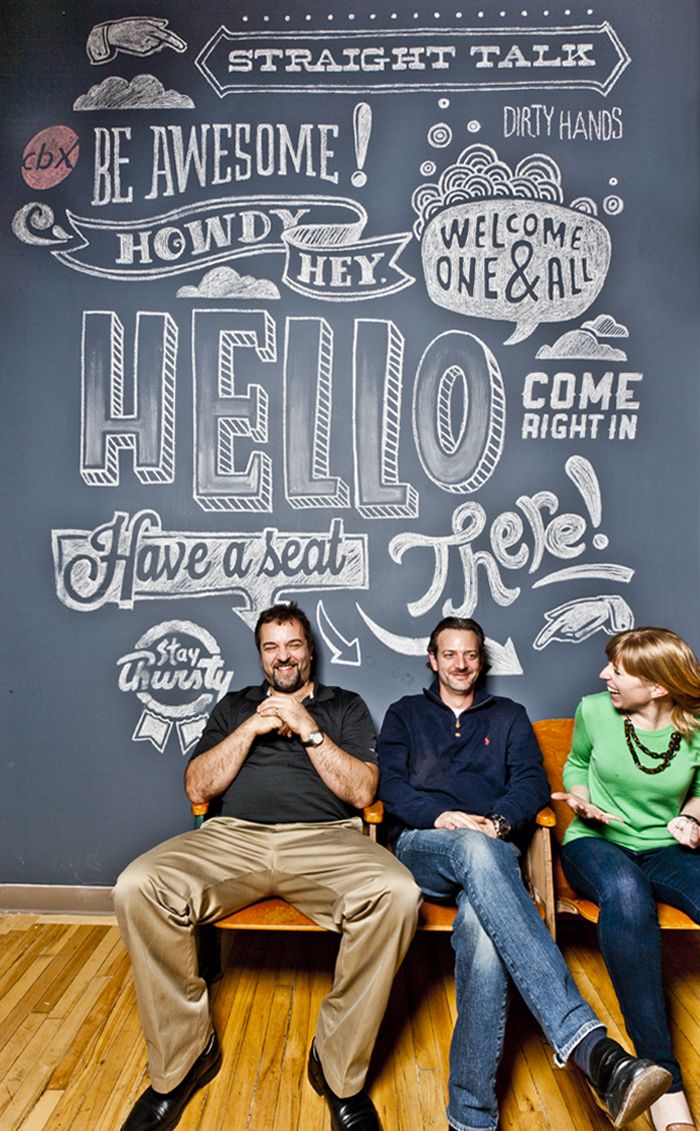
[
  {"x": 502, "y": 244},
  {"x": 515, "y": 260}
]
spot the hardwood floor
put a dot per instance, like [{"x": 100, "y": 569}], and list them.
[{"x": 72, "y": 1055}]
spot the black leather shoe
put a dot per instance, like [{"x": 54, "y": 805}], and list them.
[
  {"x": 625, "y": 1084},
  {"x": 353, "y": 1113},
  {"x": 160, "y": 1111}
]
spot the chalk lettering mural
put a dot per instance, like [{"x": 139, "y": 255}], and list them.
[{"x": 378, "y": 308}]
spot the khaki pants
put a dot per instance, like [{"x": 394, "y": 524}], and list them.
[{"x": 331, "y": 872}]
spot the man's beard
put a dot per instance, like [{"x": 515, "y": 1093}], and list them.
[
  {"x": 289, "y": 682},
  {"x": 463, "y": 685}
]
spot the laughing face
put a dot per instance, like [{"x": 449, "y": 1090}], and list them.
[
  {"x": 628, "y": 692},
  {"x": 285, "y": 655}
]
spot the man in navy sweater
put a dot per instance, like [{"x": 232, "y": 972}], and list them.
[{"x": 462, "y": 777}]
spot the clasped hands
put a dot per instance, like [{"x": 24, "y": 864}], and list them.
[
  {"x": 455, "y": 819},
  {"x": 285, "y": 714}
]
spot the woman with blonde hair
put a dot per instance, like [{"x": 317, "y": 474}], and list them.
[{"x": 633, "y": 782}]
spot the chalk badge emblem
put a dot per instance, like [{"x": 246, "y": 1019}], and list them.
[
  {"x": 177, "y": 672},
  {"x": 50, "y": 157}
]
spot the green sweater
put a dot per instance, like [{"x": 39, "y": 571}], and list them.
[{"x": 601, "y": 761}]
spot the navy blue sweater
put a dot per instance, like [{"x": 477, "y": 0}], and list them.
[{"x": 486, "y": 761}]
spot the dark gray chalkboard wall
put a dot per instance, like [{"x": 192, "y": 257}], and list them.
[{"x": 387, "y": 309}]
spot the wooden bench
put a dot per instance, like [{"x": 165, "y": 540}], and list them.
[
  {"x": 275, "y": 914},
  {"x": 542, "y": 869},
  {"x": 554, "y": 738}
]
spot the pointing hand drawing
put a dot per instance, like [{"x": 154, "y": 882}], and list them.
[
  {"x": 579, "y": 619},
  {"x": 134, "y": 35}
]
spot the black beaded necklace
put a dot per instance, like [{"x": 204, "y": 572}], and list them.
[{"x": 665, "y": 757}]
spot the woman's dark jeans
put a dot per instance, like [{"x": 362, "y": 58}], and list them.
[{"x": 626, "y": 886}]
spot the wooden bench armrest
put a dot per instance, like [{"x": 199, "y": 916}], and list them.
[
  {"x": 537, "y": 869},
  {"x": 371, "y": 814},
  {"x": 546, "y": 818},
  {"x": 199, "y": 811}
]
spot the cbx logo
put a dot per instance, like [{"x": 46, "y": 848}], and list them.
[{"x": 50, "y": 157}]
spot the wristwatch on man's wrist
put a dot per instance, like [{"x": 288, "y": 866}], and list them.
[
  {"x": 314, "y": 739},
  {"x": 501, "y": 824}
]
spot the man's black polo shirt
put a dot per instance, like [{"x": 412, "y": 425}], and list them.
[{"x": 277, "y": 783}]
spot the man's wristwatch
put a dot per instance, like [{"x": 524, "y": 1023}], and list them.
[
  {"x": 501, "y": 824},
  {"x": 314, "y": 739}
]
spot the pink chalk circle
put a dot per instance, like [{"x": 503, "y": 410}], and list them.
[{"x": 50, "y": 157}]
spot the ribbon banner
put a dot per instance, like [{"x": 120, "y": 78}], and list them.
[
  {"x": 374, "y": 62},
  {"x": 133, "y": 559},
  {"x": 326, "y": 258}
]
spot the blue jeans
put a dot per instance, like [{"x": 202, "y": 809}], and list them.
[
  {"x": 497, "y": 932},
  {"x": 626, "y": 886}
]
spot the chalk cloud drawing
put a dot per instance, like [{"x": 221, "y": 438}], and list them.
[
  {"x": 176, "y": 671},
  {"x": 585, "y": 343},
  {"x": 132, "y": 35},
  {"x": 224, "y": 282},
  {"x": 605, "y": 326},
  {"x": 576, "y": 620},
  {"x": 500, "y": 243},
  {"x": 144, "y": 92}
]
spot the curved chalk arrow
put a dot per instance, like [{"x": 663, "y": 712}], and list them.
[
  {"x": 503, "y": 658},
  {"x": 342, "y": 651},
  {"x": 248, "y": 615}
]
